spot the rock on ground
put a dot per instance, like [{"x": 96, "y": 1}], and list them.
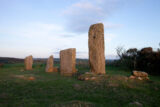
[
  {"x": 135, "y": 104},
  {"x": 139, "y": 75}
]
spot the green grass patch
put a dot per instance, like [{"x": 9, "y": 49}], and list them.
[{"x": 52, "y": 89}]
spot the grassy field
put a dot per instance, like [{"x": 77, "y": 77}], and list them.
[{"x": 54, "y": 90}]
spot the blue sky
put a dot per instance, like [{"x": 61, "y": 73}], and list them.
[{"x": 44, "y": 27}]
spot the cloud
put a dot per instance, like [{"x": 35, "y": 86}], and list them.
[
  {"x": 33, "y": 29},
  {"x": 37, "y": 38},
  {"x": 82, "y": 14}
]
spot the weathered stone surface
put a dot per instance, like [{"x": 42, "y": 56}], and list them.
[
  {"x": 140, "y": 74},
  {"x": 28, "y": 62},
  {"x": 139, "y": 78},
  {"x": 68, "y": 61},
  {"x": 96, "y": 49},
  {"x": 50, "y": 62},
  {"x": 55, "y": 69},
  {"x": 50, "y": 65},
  {"x": 132, "y": 77}
]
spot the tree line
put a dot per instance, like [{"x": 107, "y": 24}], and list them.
[{"x": 145, "y": 59}]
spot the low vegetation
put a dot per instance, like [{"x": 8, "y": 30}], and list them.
[
  {"x": 36, "y": 88},
  {"x": 146, "y": 59}
]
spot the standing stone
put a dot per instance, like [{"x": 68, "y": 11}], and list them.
[
  {"x": 68, "y": 61},
  {"x": 55, "y": 69},
  {"x": 50, "y": 62},
  {"x": 28, "y": 62},
  {"x": 96, "y": 48}
]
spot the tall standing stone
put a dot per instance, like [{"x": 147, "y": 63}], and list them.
[
  {"x": 28, "y": 62},
  {"x": 50, "y": 62},
  {"x": 96, "y": 48},
  {"x": 68, "y": 61}
]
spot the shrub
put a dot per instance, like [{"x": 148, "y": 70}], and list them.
[{"x": 145, "y": 60}]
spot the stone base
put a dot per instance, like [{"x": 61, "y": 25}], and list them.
[
  {"x": 67, "y": 74},
  {"x": 92, "y": 77},
  {"x": 28, "y": 69},
  {"x": 49, "y": 70},
  {"x": 55, "y": 69},
  {"x": 139, "y": 75}
]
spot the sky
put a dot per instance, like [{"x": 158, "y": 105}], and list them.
[{"x": 44, "y": 27}]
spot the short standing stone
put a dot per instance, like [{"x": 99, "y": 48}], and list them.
[
  {"x": 96, "y": 49},
  {"x": 55, "y": 69},
  {"x": 50, "y": 62},
  {"x": 28, "y": 62},
  {"x": 68, "y": 61}
]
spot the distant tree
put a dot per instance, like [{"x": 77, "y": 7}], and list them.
[
  {"x": 132, "y": 54},
  {"x": 120, "y": 51},
  {"x": 144, "y": 60},
  {"x": 125, "y": 57}
]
